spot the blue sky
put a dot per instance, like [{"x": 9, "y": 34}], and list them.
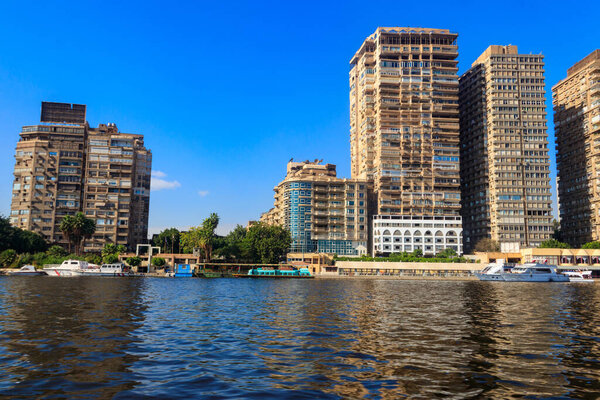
[{"x": 226, "y": 94}]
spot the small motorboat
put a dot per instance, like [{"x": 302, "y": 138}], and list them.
[
  {"x": 27, "y": 270},
  {"x": 579, "y": 276}
]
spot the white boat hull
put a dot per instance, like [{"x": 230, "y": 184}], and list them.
[
  {"x": 87, "y": 273},
  {"x": 62, "y": 272}
]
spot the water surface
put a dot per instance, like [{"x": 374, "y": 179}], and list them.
[{"x": 93, "y": 337}]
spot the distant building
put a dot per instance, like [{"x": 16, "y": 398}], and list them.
[
  {"x": 505, "y": 167},
  {"x": 404, "y": 135},
  {"x": 62, "y": 166},
  {"x": 577, "y": 129},
  {"x": 324, "y": 213}
]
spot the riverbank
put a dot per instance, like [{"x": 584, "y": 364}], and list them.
[{"x": 398, "y": 277}]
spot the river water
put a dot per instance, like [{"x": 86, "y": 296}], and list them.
[{"x": 325, "y": 338}]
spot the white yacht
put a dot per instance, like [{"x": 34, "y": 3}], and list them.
[
  {"x": 579, "y": 276},
  {"x": 118, "y": 269},
  {"x": 67, "y": 268},
  {"x": 529, "y": 272}
]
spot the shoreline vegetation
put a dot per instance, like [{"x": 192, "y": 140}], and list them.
[{"x": 259, "y": 244}]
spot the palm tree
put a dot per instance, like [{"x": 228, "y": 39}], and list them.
[
  {"x": 76, "y": 229},
  {"x": 87, "y": 230},
  {"x": 83, "y": 228},
  {"x": 66, "y": 227}
]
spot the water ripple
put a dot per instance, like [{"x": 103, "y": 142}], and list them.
[{"x": 97, "y": 338}]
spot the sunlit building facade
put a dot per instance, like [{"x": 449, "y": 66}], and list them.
[
  {"x": 404, "y": 131},
  {"x": 505, "y": 166},
  {"x": 62, "y": 166}
]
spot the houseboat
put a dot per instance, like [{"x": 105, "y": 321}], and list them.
[{"x": 283, "y": 272}]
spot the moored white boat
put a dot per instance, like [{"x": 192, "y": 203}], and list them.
[
  {"x": 579, "y": 276},
  {"x": 67, "y": 268},
  {"x": 529, "y": 272},
  {"x": 118, "y": 269}
]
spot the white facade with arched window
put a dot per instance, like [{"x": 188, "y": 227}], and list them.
[{"x": 398, "y": 233}]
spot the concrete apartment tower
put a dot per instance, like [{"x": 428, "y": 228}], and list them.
[
  {"x": 404, "y": 135},
  {"x": 577, "y": 128},
  {"x": 505, "y": 167},
  {"x": 63, "y": 166},
  {"x": 324, "y": 213}
]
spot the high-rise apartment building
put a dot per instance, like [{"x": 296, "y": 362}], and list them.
[
  {"x": 63, "y": 166},
  {"x": 577, "y": 128},
  {"x": 404, "y": 134},
  {"x": 117, "y": 186},
  {"x": 505, "y": 165},
  {"x": 324, "y": 213}
]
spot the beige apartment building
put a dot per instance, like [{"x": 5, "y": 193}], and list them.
[
  {"x": 404, "y": 132},
  {"x": 117, "y": 187},
  {"x": 324, "y": 213},
  {"x": 576, "y": 102},
  {"x": 505, "y": 165},
  {"x": 62, "y": 166}
]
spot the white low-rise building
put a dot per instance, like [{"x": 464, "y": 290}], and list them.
[{"x": 398, "y": 233}]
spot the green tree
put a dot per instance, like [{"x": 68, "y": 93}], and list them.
[
  {"x": 110, "y": 259},
  {"x": 76, "y": 229},
  {"x": 134, "y": 261},
  {"x": 25, "y": 259},
  {"x": 487, "y": 245},
  {"x": 169, "y": 241},
  {"x": 28, "y": 242},
  {"x": 591, "y": 245},
  {"x": 93, "y": 259},
  {"x": 158, "y": 262},
  {"x": 66, "y": 227},
  {"x": 266, "y": 243},
  {"x": 22, "y": 241},
  {"x": 447, "y": 253},
  {"x": 8, "y": 257},
  {"x": 417, "y": 253},
  {"x": 56, "y": 251},
  {"x": 232, "y": 246},
  {"x": 201, "y": 236},
  {"x": 111, "y": 252},
  {"x": 553, "y": 244},
  {"x": 7, "y": 233}
]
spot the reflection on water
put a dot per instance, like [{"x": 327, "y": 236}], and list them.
[{"x": 170, "y": 338}]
